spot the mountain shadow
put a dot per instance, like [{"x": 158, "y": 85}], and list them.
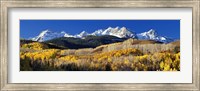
[{"x": 87, "y": 42}]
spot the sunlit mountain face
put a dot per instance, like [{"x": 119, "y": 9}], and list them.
[{"x": 120, "y": 32}]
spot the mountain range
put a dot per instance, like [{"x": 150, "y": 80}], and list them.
[{"x": 122, "y": 32}]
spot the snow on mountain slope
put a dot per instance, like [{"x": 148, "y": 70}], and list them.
[
  {"x": 122, "y": 32},
  {"x": 81, "y": 35},
  {"x": 152, "y": 35},
  {"x": 119, "y": 32},
  {"x": 47, "y": 35},
  {"x": 97, "y": 33}
]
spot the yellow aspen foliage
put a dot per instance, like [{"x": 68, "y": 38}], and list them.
[
  {"x": 126, "y": 61},
  {"x": 174, "y": 69},
  {"x": 166, "y": 67},
  {"x": 22, "y": 56},
  {"x": 40, "y": 55},
  {"x": 69, "y": 58},
  {"x": 162, "y": 65},
  {"x": 117, "y": 60},
  {"x": 168, "y": 60},
  {"x": 117, "y": 53},
  {"x": 109, "y": 60},
  {"x": 35, "y": 46}
]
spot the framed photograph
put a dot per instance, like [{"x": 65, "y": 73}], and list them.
[{"x": 100, "y": 45}]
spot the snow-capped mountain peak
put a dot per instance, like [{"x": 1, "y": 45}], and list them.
[
  {"x": 123, "y": 28},
  {"x": 121, "y": 32},
  {"x": 152, "y": 32},
  {"x": 67, "y": 35},
  {"x": 109, "y": 31},
  {"x": 63, "y": 32},
  {"x": 125, "y": 33},
  {"x": 45, "y": 32},
  {"x": 82, "y": 34},
  {"x": 41, "y": 35},
  {"x": 97, "y": 33},
  {"x": 47, "y": 35},
  {"x": 152, "y": 35}
]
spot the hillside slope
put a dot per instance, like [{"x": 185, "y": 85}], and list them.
[{"x": 88, "y": 42}]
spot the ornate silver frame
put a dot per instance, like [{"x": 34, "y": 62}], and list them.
[{"x": 6, "y": 4}]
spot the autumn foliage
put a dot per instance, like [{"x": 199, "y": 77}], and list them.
[
  {"x": 39, "y": 57},
  {"x": 35, "y": 46}
]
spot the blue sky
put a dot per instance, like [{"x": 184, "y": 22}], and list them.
[{"x": 31, "y": 28}]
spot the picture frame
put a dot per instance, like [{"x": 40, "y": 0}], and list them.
[{"x": 7, "y": 4}]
